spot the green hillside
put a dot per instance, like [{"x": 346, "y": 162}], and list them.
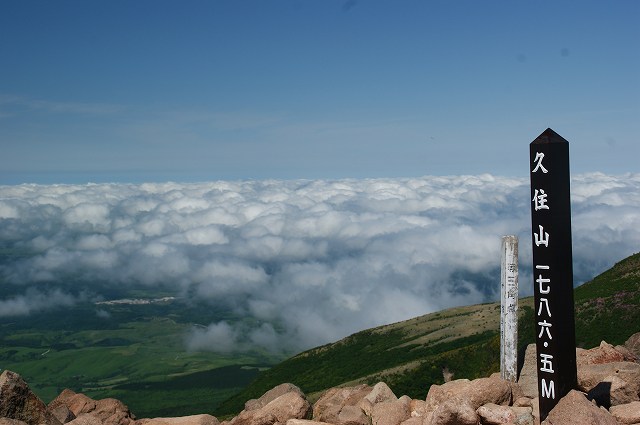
[{"x": 410, "y": 355}]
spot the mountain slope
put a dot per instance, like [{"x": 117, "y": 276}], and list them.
[{"x": 411, "y": 355}]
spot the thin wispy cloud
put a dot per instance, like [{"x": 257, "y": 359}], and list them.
[
  {"x": 12, "y": 104},
  {"x": 301, "y": 262}
]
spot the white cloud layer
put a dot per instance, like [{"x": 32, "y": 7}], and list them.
[{"x": 302, "y": 262}]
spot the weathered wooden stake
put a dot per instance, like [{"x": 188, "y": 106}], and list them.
[
  {"x": 552, "y": 269},
  {"x": 509, "y": 309}
]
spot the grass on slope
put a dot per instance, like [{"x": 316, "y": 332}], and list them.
[{"x": 608, "y": 307}]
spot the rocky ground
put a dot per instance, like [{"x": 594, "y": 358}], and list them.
[{"x": 608, "y": 393}]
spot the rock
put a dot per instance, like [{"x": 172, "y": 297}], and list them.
[
  {"x": 524, "y": 416},
  {"x": 528, "y": 379},
  {"x": 390, "y": 412},
  {"x": 440, "y": 393},
  {"x": 613, "y": 391},
  {"x": 63, "y": 414},
  {"x": 575, "y": 409},
  {"x": 113, "y": 412},
  {"x": 535, "y": 405},
  {"x": 8, "y": 421},
  {"x": 271, "y": 395},
  {"x": 605, "y": 353},
  {"x": 352, "y": 415},
  {"x": 633, "y": 344},
  {"x": 418, "y": 407},
  {"x": 331, "y": 403},
  {"x": 627, "y": 413},
  {"x": 291, "y": 405},
  {"x": 492, "y": 414},
  {"x": 443, "y": 400},
  {"x": 76, "y": 403},
  {"x": 18, "y": 402},
  {"x": 109, "y": 410},
  {"x": 589, "y": 376},
  {"x": 455, "y": 412},
  {"x": 488, "y": 390},
  {"x": 380, "y": 392},
  {"x": 203, "y": 419},
  {"x": 305, "y": 422},
  {"x": 522, "y": 402},
  {"x": 414, "y": 420},
  {"x": 86, "y": 419}
]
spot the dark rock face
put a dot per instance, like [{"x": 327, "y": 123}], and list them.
[{"x": 18, "y": 402}]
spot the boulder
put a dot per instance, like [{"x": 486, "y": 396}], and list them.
[
  {"x": 271, "y": 395},
  {"x": 380, "y": 392},
  {"x": 455, "y": 400},
  {"x": 613, "y": 391},
  {"x": 528, "y": 379},
  {"x": 392, "y": 412},
  {"x": 109, "y": 410},
  {"x": 633, "y": 344},
  {"x": 493, "y": 414},
  {"x": 113, "y": 412},
  {"x": 415, "y": 420},
  {"x": 575, "y": 409},
  {"x": 627, "y": 413},
  {"x": 76, "y": 403},
  {"x": 590, "y": 376},
  {"x": 290, "y": 405},
  {"x": 305, "y": 422},
  {"x": 418, "y": 407},
  {"x": 18, "y": 402},
  {"x": 524, "y": 416},
  {"x": 440, "y": 393},
  {"x": 455, "y": 412},
  {"x": 352, "y": 415},
  {"x": 488, "y": 390},
  {"x": 63, "y": 414},
  {"x": 203, "y": 419},
  {"x": 86, "y": 419},
  {"x": 605, "y": 353},
  {"x": 8, "y": 421},
  {"x": 333, "y": 401}
]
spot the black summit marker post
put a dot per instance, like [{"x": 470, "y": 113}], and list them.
[{"x": 552, "y": 269}]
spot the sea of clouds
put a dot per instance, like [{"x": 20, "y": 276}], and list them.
[{"x": 306, "y": 261}]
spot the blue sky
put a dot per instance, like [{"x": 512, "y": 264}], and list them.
[{"x": 153, "y": 90}]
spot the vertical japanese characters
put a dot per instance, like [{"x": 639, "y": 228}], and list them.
[
  {"x": 509, "y": 309},
  {"x": 552, "y": 268}
]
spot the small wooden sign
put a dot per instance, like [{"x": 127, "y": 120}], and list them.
[{"x": 509, "y": 309}]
